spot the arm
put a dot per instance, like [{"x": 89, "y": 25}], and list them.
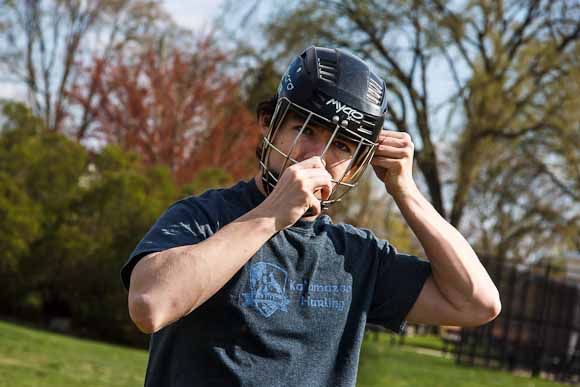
[
  {"x": 459, "y": 291},
  {"x": 168, "y": 285}
]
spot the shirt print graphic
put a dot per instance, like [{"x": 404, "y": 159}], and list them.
[{"x": 267, "y": 291}]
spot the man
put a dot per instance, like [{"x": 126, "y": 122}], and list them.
[{"x": 254, "y": 285}]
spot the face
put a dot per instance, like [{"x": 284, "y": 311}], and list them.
[{"x": 310, "y": 143}]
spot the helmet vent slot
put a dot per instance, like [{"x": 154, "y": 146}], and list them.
[
  {"x": 374, "y": 92},
  {"x": 368, "y": 123},
  {"x": 327, "y": 70}
]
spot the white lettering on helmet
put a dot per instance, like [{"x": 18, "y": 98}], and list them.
[
  {"x": 352, "y": 114},
  {"x": 288, "y": 80}
]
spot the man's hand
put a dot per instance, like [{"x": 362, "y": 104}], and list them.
[
  {"x": 393, "y": 162},
  {"x": 297, "y": 191}
]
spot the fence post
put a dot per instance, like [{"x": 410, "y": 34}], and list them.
[
  {"x": 524, "y": 321},
  {"x": 508, "y": 315},
  {"x": 539, "y": 341}
]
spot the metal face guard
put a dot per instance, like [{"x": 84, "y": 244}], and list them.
[{"x": 360, "y": 159}]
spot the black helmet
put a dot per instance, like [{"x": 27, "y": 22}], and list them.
[{"x": 336, "y": 90}]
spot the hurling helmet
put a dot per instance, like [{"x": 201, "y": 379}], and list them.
[{"x": 336, "y": 90}]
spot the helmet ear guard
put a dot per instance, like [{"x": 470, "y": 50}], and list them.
[{"x": 335, "y": 90}]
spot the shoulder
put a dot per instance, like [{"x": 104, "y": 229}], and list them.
[
  {"x": 218, "y": 203},
  {"x": 350, "y": 231},
  {"x": 354, "y": 236}
]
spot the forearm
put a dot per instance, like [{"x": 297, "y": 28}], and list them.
[
  {"x": 456, "y": 269},
  {"x": 168, "y": 285}
]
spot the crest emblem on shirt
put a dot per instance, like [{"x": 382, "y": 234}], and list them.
[{"x": 267, "y": 289}]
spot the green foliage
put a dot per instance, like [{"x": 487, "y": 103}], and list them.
[
  {"x": 115, "y": 208},
  {"x": 69, "y": 220},
  {"x": 20, "y": 223},
  {"x": 206, "y": 179},
  {"x": 40, "y": 170}
]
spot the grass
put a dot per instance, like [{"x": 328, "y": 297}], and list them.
[
  {"x": 31, "y": 357},
  {"x": 429, "y": 342},
  {"x": 402, "y": 366},
  {"x": 34, "y": 358}
]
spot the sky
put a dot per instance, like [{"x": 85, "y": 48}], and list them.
[{"x": 195, "y": 14}]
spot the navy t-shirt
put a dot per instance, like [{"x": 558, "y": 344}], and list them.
[{"x": 294, "y": 315}]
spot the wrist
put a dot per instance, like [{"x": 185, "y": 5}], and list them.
[
  {"x": 263, "y": 220},
  {"x": 408, "y": 192}
]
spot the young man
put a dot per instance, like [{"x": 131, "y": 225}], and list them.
[{"x": 254, "y": 285}]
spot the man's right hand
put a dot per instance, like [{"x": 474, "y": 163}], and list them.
[{"x": 295, "y": 193}]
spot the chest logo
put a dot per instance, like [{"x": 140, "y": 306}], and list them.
[{"x": 267, "y": 289}]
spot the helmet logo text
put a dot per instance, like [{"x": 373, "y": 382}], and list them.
[
  {"x": 352, "y": 114},
  {"x": 288, "y": 81}
]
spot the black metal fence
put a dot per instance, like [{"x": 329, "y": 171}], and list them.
[{"x": 538, "y": 330}]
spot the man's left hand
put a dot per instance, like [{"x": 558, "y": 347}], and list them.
[{"x": 393, "y": 162}]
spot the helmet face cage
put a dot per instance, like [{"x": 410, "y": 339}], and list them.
[{"x": 360, "y": 158}]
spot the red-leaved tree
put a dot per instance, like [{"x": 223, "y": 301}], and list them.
[{"x": 180, "y": 110}]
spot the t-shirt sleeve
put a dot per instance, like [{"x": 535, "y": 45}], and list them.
[
  {"x": 400, "y": 279},
  {"x": 184, "y": 223}
]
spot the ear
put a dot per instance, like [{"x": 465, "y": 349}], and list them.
[{"x": 264, "y": 121}]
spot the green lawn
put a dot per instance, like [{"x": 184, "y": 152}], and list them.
[
  {"x": 401, "y": 366},
  {"x": 36, "y": 358}
]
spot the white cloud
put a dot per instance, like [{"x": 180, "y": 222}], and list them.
[
  {"x": 195, "y": 15},
  {"x": 13, "y": 91}
]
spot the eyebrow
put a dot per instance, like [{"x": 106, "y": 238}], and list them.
[
  {"x": 310, "y": 125},
  {"x": 296, "y": 122}
]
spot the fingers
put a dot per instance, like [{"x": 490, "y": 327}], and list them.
[
  {"x": 393, "y": 165},
  {"x": 394, "y": 134},
  {"x": 313, "y": 162},
  {"x": 310, "y": 181},
  {"x": 317, "y": 180},
  {"x": 313, "y": 173},
  {"x": 396, "y": 145},
  {"x": 391, "y": 152},
  {"x": 314, "y": 207},
  {"x": 395, "y": 142}
]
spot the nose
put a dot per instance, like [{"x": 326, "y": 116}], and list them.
[{"x": 312, "y": 147}]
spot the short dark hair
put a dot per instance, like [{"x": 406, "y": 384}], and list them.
[{"x": 265, "y": 108}]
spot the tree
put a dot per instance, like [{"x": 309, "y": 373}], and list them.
[
  {"x": 510, "y": 71},
  {"x": 43, "y": 169},
  {"x": 178, "y": 110},
  {"x": 20, "y": 225},
  {"x": 117, "y": 202},
  {"x": 45, "y": 43},
  {"x": 70, "y": 220}
]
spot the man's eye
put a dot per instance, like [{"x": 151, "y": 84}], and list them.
[
  {"x": 342, "y": 146},
  {"x": 307, "y": 131}
]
